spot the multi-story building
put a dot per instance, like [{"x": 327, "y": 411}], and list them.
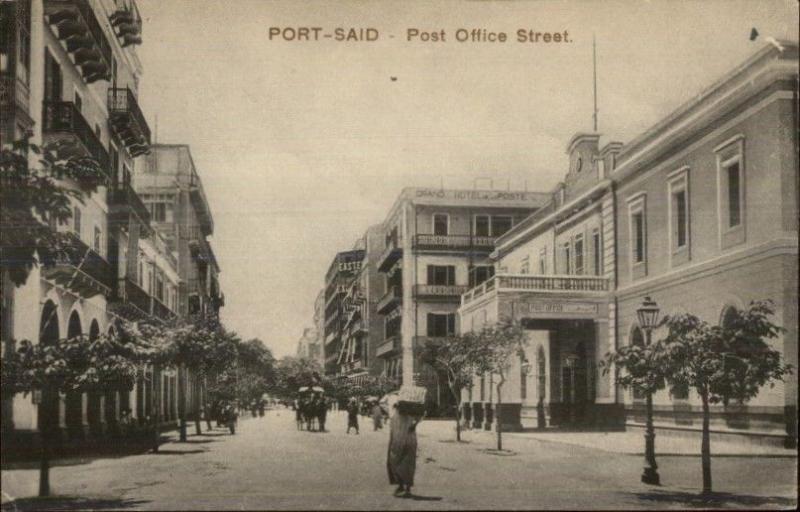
[
  {"x": 319, "y": 326},
  {"x": 436, "y": 245},
  {"x": 362, "y": 326},
  {"x": 309, "y": 346},
  {"x": 699, "y": 213},
  {"x": 172, "y": 192},
  {"x": 69, "y": 78},
  {"x": 344, "y": 267}
]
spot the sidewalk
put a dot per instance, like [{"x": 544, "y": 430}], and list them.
[{"x": 630, "y": 442}]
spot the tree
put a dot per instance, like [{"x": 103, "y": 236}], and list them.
[
  {"x": 456, "y": 357},
  {"x": 76, "y": 364},
  {"x": 732, "y": 361},
  {"x": 35, "y": 200},
  {"x": 292, "y": 373},
  {"x": 495, "y": 348}
]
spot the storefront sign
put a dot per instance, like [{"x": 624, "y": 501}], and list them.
[{"x": 579, "y": 308}]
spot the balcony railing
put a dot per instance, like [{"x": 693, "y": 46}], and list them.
[
  {"x": 128, "y": 121},
  {"x": 62, "y": 119},
  {"x": 454, "y": 242},
  {"x": 388, "y": 347},
  {"x": 127, "y": 22},
  {"x": 391, "y": 299},
  {"x": 390, "y": 255},
  {"x": 135, "y": 295},
  {"x": 75, "y": 24},
  {"x": 161, "y": 311},
  {"x": 13, "y": 92},
  {"x": 529, "y": 283},
  {"x": 124, "y": 201},
  {"x": 439, "y": 291},
  {"x": 76, "y": 266}
]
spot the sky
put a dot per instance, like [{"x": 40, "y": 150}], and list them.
[{"x": 301, "y": 145}]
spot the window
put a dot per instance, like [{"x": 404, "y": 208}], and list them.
[
  {"x": 678, "y": 190},
  {"x": 443, "y": 275},
  {"x": 482, "y": 225},
  {"x": 440, "y": 224},
  {"x": 78, "y": 102},
  {"x": 76, "y": 220},
  {"x": 441, "y": 324},
  {"x": 52, "y": 78},
  {"x": 479, "y": 274},
  {"x": 731, "y": 192},
  {"x": 638, "y": 237},
  {"x": 566, "y": 263},
  {"x": 98, "y": 240},
  {"x": 734, "y": 195},
  {"x": 501, "y": 224},
  {"x": 158, "y": 212},
  {"x": 579, "y": 255},
  {"x": 525, "y": 266},
  {"x": 543, "y": 261},
  {"x": 596, "y": 252}
]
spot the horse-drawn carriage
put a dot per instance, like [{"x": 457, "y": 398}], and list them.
[{"x": 311, "y": 408}]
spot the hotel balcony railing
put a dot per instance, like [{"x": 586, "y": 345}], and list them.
[
  {"x": 161, "y": 311},
  {"x": 454, "y": 242},
  {"x": 438, "y": 291},
  {"x": 391, "y": 299},
  {"x": 127, "y": 22},
  {"x": 76, "y": 266},
  {"x": 127, "y": 120},
  {"x": 123, "y": 202},
  {"x": 13, "y": 92},
  {"x": 531, "y": 283},
  {"x": 391, "y": 346},
  {"x": 390, "y": 255},
  {"x": 133, "y": 294},
  {"x": 62, "y": 120},
  {"x": 75, "y": 24}
]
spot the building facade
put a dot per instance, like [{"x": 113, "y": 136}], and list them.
[
  {"x": 436, "y": 245},
  {"x": 338, "y": 281},
  {"x": 699, "y": 213}
]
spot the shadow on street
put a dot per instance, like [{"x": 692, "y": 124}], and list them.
[
  {"x": 54, "y": 503},
  {"x": 713, "y": 500}
]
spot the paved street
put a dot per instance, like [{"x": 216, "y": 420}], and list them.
[{"x": 269, "y": 464}]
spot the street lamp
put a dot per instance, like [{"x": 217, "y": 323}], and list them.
[{"x": 648, "y": 317}]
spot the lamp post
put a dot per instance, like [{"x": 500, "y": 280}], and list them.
[{"x": 648, "y": 317}]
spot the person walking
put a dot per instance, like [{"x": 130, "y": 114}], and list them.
[
  {"x": 298, "y": 415},
  {"x": 401, "y": 459},
  {"x": 377, "y": 417},
  {"x": 352, "y": 415}
]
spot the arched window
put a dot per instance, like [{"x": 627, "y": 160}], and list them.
[
  {"x": 74, "y": 327},
  {"x": 94, "y": 330},
  {"x": 637, "y": 340},
  {"x": 541, "y": 370},
  {"x": 728, "y": 317}
]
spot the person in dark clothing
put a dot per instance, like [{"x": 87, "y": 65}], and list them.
[
  {"x": 322, "y": 413},
  {"x": 352, "y": 415}
]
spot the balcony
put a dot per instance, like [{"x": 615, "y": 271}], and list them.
[
  {"x": 454, "y": 243},
  {"x": 124, "y": 203},
  {"x": 131, "y": 294},
  {"x": 389, "y": 347},
  {"x": 161, "y": 311},
  {"x": 436, "y": 291},
  {"x": 64, "y": 126},
  {"x": 127, "y": 121},
  {"x": 127, "y": 22},
  {"x": 390, "y": 256},
  {"x": 421, "y": 341},
  {"x": 74, "y": 23},
  {"x": 77, "y": 267},
  {"x": 570, "y": 285},
  {"x": 392, "y": 299}
]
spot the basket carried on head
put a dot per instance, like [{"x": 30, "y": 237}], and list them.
[{"x": 411, "y": 400}]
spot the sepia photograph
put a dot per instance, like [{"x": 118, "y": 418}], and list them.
[{"x": 399, "y": 255}]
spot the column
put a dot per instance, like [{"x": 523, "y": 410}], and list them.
[{"x": 408, "y": 322}]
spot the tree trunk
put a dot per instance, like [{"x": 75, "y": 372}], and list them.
[
  {"x": 44, "y": 466},
  {"x": 705, "y": 448},
  {"x": 156, "y": 406},
  {"x": 196, "y": 406},
  {"x": 497, "y": 413},
  {"x": 182, "y": 401},
  {"x": 205, "y": 404}
]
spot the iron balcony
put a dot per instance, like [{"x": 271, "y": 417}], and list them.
[
  {"x": 127, "y": 120},
  {"x": 74, "y": 23},
  {"x": 64, "y": 125}
]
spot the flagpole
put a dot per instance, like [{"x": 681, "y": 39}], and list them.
[{"x": 594, "y": 80}]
